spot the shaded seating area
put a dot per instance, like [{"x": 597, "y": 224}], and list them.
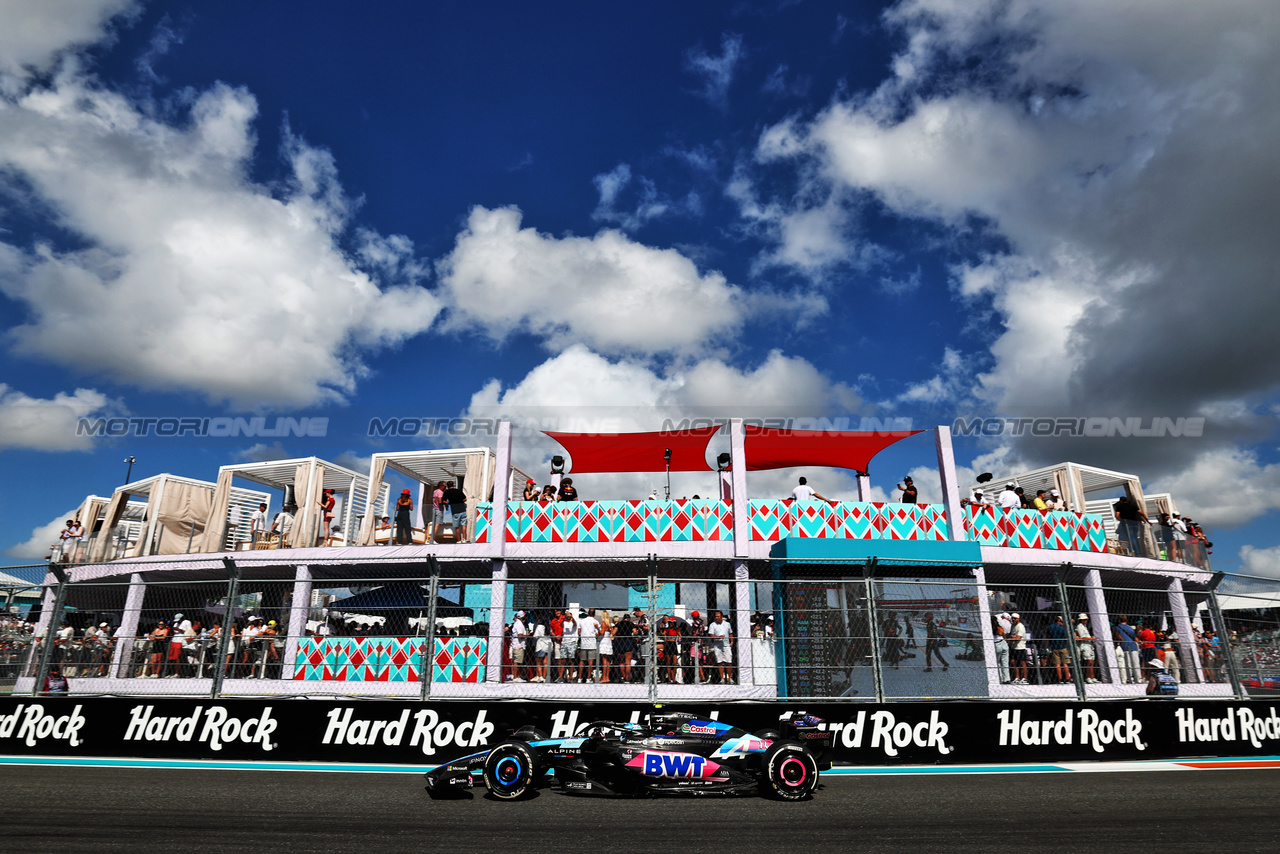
[
  {"x": 173, "y": 520},
  {"x": 300, "y": 483}
]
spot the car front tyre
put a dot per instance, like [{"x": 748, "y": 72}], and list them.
[
  {"x": 790, "y": 772},
  {"x": 510, "y": 770}
]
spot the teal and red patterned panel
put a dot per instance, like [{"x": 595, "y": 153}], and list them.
[
  {"x": 773, "y": 519},
  {"x": 619, "y": 521},
  {"x": 386, "y": 659},
  {"x": 1031, "y": 529},
  {"x": 480, "y": 525}
]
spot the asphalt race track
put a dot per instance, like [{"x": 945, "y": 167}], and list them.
[{"x": 145, "y": 810}]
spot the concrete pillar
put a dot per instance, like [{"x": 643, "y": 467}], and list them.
[
  {"x": 1188, "y": 652},
  {"x": 741, "y": 507},
  {"x": 950, "y": 489},
  {"x": 497, "y": 621},
  {"x": 299, "y": 611},
  {"x": 501, "y": 488},
  {"x": 1099, "y": 616},
  {"x": 864, "y": 488},
  {"x": 742, "y": 622},
  {"x": 128, "y": 630}
]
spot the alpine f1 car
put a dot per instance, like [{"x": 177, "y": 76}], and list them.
[{"x": 670, "y": 754}]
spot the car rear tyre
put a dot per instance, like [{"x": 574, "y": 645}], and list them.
[
  {"x": 790, "y": 772},
  {"x": 510, "y": 770}
]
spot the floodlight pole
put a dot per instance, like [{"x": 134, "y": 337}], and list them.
[
  {"x": 129, "y": 473},
  {"x": 667, "y": 459}
]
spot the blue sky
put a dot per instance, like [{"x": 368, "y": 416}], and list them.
[{"x": 925, "y": 210}]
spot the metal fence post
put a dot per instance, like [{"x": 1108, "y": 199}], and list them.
[
  {"x": 228, "y": 624},
  {"x": 55, "y": 621},
  {"x": 873, "y": 625},
  {"x": 1224, "y": 641},
  {"x": 427, "y": 667},
  {"x": 1074, "y": 665},
  {"x": 651, "y": 671}
]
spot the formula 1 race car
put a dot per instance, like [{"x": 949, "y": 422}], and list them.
[{"x": 670, "y": 754}]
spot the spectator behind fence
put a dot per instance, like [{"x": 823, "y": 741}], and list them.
[
  {"x": 568, "y": 649},
  {"x": 589, "y": 646},
  {"x": 519, "y": 632},
  {"x": 933, "y": 643},
  {"x": 721, "y": 634},
  {"x": 541, "y": 650},
  {"x": 55, "y": 682},
  {"x": 804, "y": 492},
  {"x": 1085, "y": 645},
  {"x": 1059, "y": 655},
  {"x": 1146, "y": 642},
  {"x": 1127, "y": 651},
  {"x": 1018, "y": 650}
]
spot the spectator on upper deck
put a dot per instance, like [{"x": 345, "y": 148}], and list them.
[
  {"x": 1022, "y": 498},
  {"x": 909, "y": 493},
  {"x": 1129, "y": 519},
  {"x": 1009, "y": 498},
  {"x": 530, "y": 490},
  {"x": 1039, "y": 503},
  {"x": 567, "y": 492},
  {"x": 804, "y": 492},
  {"x": 456, "y": 500},
  {"x": 548, "y": 494}
]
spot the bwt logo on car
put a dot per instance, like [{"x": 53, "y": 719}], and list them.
[
  {"x": 32, "y": 723},
  {"x": 217, "y": 729},
  {"x": 429, "y": 732},
  {"x": 890, "y": 734},
  {"x": 673, "y": 765}
]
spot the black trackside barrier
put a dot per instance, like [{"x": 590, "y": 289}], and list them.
[{"x": 434, "y": 733}]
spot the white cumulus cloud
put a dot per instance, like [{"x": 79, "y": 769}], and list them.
[
  {"x": 609, "y": 292},
  {"x": 47, "y": 424}
]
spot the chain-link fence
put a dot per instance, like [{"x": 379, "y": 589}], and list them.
[{"x": 656, "y": 629}]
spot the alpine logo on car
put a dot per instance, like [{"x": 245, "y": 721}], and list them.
[
  {"x": 741, "y": 746},
  {"x": 659, "y": 764}
]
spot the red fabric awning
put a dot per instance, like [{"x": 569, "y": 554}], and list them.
[
  {"x": 625, "y": 452},
  {"x": 772, "y": 448}
]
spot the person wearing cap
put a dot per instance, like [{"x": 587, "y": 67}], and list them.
[
  {"x": 530, "y": 490},
  {"x": 1002, "y": 648},
  {"x": 908, "y": 490},
  {"x": 1009, "y": 498},
  {"x": 1159, "y": 682},
  {"x": 519, "y": 631},
  {"x": 404, "y": 519},
  {"x": 804, "y": 492},
  {"x": 1059, "y": 654},
  {"x": 1085, "y": 645},
  {"x": 1126, "y": 650},
  {"x": 1018, "y": 649},
  {"x": 721, "y": 634},
  {"x": 979, "y": 499}
]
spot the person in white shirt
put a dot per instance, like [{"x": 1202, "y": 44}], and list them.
[
  {"x": 568, "y": 649},
  {"x": 284, "y": 525},
  {"x": 1009, "y": 499},
  {"x": 721, "y": 633},
  {"x": 804, "y": 492},
  {"x": 589, "y": 644},
  {"x": 1018, "y": 653},
  {"x": 519, "y": 631},
  {"x": 257, "y": 524}
]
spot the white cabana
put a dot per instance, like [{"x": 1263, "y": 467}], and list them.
[
  {"x": 473, "y": 469},
  {"x": 303, "y": 480},
  {"x": 173, "y": 522}
]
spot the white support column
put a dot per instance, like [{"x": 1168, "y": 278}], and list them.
[
  {"x": 1104, "y": 646},
  {"x": 864, "y": 488},
  {"x": 950, "y": 489},
  {"x": 299, "y": 611},
  {"x": 1188, "y": 653},
  {"x": 497, "y": 621},
  {"x": 742, "y": 622},
  {"x": 46, "y": 606},
  {"x": 741, "y": 507},
  {"x": 726, "y": 486},
  {"x": 128, "y": 623},
  {"x": 501, "y": 492},
  {"x": 988, "y": 639}
]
